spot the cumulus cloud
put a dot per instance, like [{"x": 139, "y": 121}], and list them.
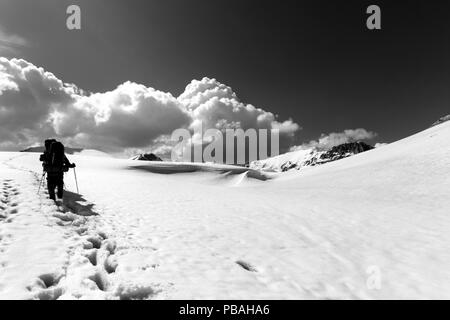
[
  {"x": 130, "y": 116},
  {"x": 216, "y": 105},
  {"x": 35, "y": 104},
  {"x": 27, "y": 96},
  {"x": 327, "y": 141}
]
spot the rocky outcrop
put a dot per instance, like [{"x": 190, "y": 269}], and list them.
[
  {"x": 441, "y": 120},
  {"x": 309, "y": 158},
  {"x": 345, "y": 150},
  {"x": 146, "y": 157}
]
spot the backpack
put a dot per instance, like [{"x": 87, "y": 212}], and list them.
[
  {"x": 48, "y": 143},
  {"x": 56, "y": 158}
]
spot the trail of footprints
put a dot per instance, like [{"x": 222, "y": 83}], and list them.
[
  {"x": 8, "y": 205},
  {"x": 99, "y": 250},
  {"x": 8, "y": 209},
  {"x": 96, "y": 247},
  {"x": 100, "y": 253}
]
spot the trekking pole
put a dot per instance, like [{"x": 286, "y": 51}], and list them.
[
  {"x": 76, "y": 181},
  {"x": 40, "y": 182}
]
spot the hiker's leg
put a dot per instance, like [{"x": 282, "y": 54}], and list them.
[
  {"x": 60, "y": 186},
  {"x": 51, "y": 189}
]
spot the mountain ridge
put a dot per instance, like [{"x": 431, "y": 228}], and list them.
[{"x": 310, "y": 157}]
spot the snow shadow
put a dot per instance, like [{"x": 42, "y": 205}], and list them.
[{"x": 78, "y": 205}]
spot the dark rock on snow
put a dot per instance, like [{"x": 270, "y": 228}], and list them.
[{"x": 147, "y": 157}]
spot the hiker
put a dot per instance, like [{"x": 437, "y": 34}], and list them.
[{"x": 55, "y": 163}]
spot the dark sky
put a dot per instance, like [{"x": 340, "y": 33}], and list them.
[{"x": 314, "y": 61}]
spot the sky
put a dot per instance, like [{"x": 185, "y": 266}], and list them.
[{"x": 311, "y": 67}]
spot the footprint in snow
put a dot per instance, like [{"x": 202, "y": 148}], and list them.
[{"x": 46, "y": 286}]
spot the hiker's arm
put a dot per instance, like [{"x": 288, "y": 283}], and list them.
[{"x": 67, "y": 163}]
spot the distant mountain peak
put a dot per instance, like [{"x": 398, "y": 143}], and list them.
[{"x": 310, "y": 157}]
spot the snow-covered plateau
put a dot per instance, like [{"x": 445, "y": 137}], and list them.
[{"x": 372, "y": 226}]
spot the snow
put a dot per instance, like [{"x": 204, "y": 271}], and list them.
[{"x": 159, "y": 230}]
